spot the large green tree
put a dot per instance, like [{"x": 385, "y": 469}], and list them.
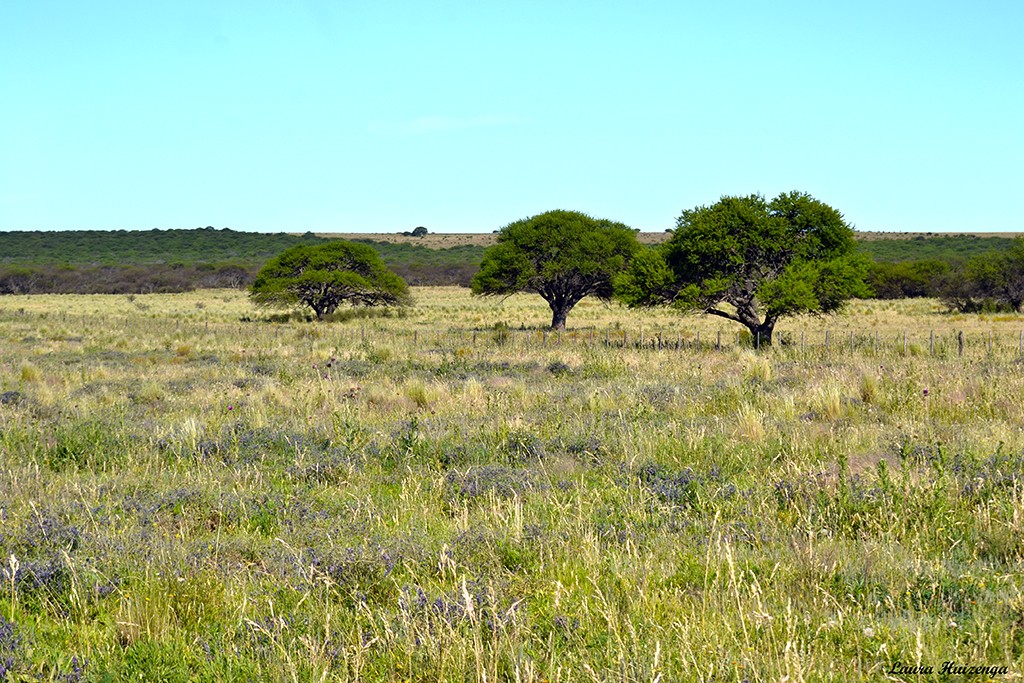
[
  {"x": 325, "y": 276},
  {"x": 563, "y": 256},
  {"x": 752, "y": 261}
]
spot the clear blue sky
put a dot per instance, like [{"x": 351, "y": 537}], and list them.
[{"x": 351, "y": 116}]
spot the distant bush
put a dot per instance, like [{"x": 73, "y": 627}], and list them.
[
  {"x": 992, "y": 282},
  {"x": 968, "y": 273},
  {"x": 907, "y": 278},
  {"x": 126, "y": 279}
]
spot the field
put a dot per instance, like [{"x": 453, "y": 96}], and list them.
[{"x": 193, "y": 489}]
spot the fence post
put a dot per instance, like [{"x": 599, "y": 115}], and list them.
[
  {"x": 718, "y": 344},
  {"x": 876, "y": 342},
  {"x": 803, "y": 334},
  {"x": 904, "y": 342},
  {"x": 828, "y": 342},
  {"x": 931, "y": 343},
  {"x": 960, "y": 343}
]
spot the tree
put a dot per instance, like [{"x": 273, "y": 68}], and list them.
[
  {"x": 326, "y": 275},
  {"x": 419, "y": 231},
  {"x": 563, "y": 256},
  {"x": 766, "y": 260},
  {"x": 992, "y": 281}
]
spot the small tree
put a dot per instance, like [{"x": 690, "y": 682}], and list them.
[
  {"x": 765, "y": 260},
  {"x": 326, "y": 275},
  {"x": 993, "y": 281},
  {"x": 419, "y": 231},
  {"x": 563, "y": 256}
]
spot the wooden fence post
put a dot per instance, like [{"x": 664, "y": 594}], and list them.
[{"x": 960, "y": 343}]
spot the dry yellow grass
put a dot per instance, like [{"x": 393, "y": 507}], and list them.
[{"x": 454, "y": 492}]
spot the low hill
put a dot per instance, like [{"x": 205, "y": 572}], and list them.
[
  {"x": 920, "y": 247},
  {"x": 142, "y": 247},
  {"x": 120, "y": 261}
]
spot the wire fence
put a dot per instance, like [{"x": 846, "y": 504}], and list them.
[
  {"x": 932, "y": 343},
  {"x": 812, "y": 344}
]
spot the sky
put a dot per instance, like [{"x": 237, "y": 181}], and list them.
[{"x": 463, "y": 116}]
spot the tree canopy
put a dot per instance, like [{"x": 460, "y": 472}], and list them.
[
  {"x": 327, "y": 275},
  {"x": 563, "y": 256},
  {"x": 765, "y": 260}
]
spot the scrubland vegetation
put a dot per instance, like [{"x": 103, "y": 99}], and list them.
[
  {"x": 166, "y": 261},
  {"x": 194, "y": 490},
  {"x": 143, "y": 262}
]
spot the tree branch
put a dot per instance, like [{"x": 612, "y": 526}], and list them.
[{"x": 723, "y": 314}]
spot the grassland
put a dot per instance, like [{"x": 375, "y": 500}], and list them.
[{"x": 190, "y": 490}]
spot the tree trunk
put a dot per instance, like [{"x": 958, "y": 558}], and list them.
[
  {"x": 762, "y": 333},
  {"x": 558, "y": 315}
]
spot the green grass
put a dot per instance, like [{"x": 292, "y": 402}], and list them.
[{"x": 452, "y": 494}]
